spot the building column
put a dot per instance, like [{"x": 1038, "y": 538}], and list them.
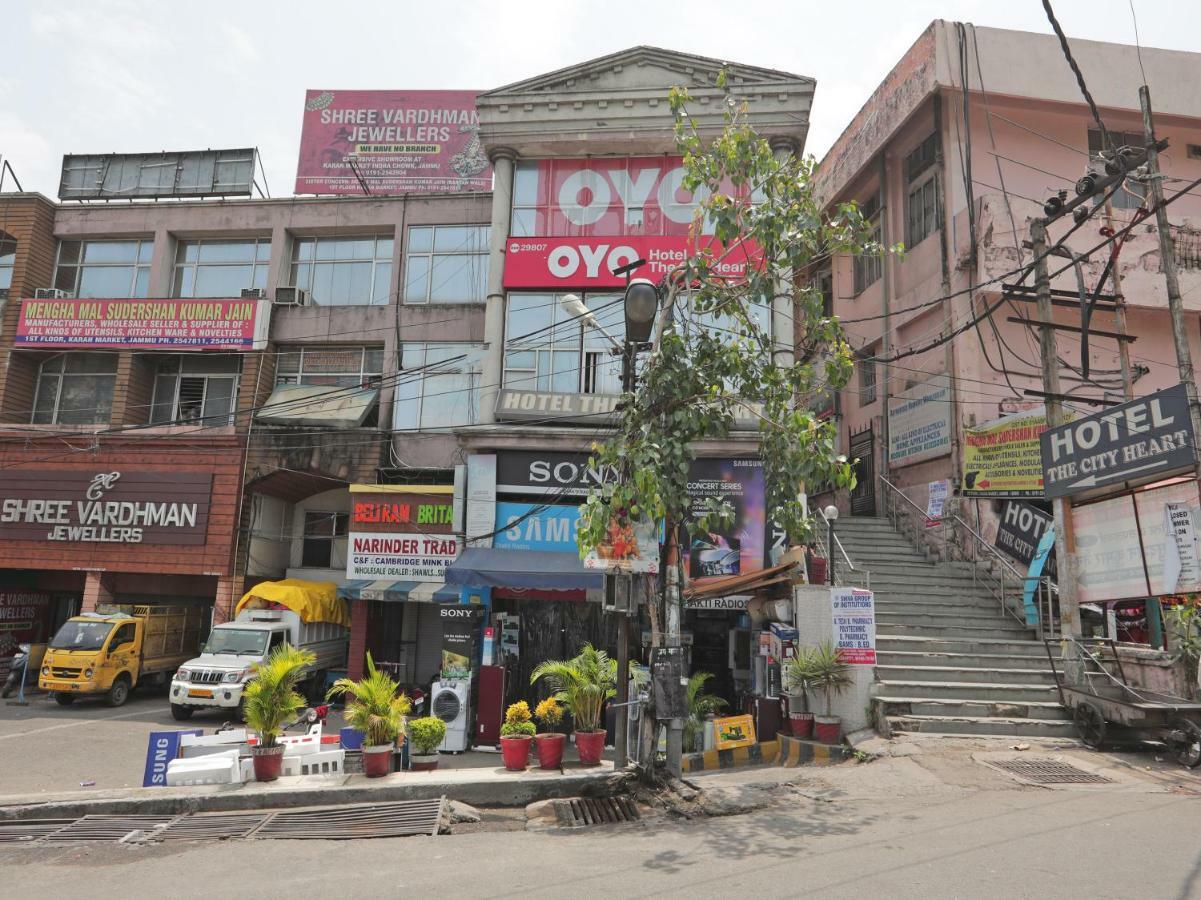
[
  {"x": 502, "y": 159},
  {"x": 229, "y": 592},
  {"x": 356, "y": 661},
  {"x": 97, "y": 591},
  {"x": 784, "y": 349}
]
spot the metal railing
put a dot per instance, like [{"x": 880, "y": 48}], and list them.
[
  {"x": 847, "y": 565},
  {"x": 989, "y": 567}
]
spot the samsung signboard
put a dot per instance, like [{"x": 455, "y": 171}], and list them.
[{"x": 153, "y": 176}]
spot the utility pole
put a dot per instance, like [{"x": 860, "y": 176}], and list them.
[
  {"x": 1167, "y": 260},
  {"x": 1119, "y": 303},
  {"x": 622, "y": 729},
  {"x": 1068, "y": 613}
]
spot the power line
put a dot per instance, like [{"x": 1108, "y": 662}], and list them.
[{"x": 1088, "y": 97}]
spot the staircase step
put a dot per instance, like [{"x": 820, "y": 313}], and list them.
[
  {"x": 998, "y": 631},
  {"x": 982, "y": 709},
  {"x": 887, "y": 657},
  {"x": 1016, "y": 726},
  {"x": 937, "y": 605},
  {"x": 1037, "y": 676},
  {"x": 938, "y": 614},
  {"x": 969, "y": 690},
  {"x": 1004, "y": 646},
  {"x": 903, "y": 576}
]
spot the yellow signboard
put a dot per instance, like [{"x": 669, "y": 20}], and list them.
[
  {"x": 733, "y": 731},
  {"x": 1003, "y": 458}
]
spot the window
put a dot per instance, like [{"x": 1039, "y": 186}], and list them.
[
  {"x": 867, "y": 380},
  {"x": 329, "y": 366},
  {"x": 343, "y": 271},
  {"x": 123, "y": 635},
  {"x": 922, "y": 215},
  {"x": 75, "y": 389},
  {"x": 546, "y": 349},
  {"x": 867, "y": 267},
  {"x": 445, "y": 394},
  {"x": 320, "y": 531},
  {"x": 447, "y": 264},
  {"x": 1131, "y": 195},
  {"x": 220, "y": 268},
  {"x": 8, "y": 259},
  {"x": 195, "y": 390},
  {"x": 104, "y": 268}
]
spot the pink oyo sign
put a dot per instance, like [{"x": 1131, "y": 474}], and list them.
[
  {"x": 172, "y": 324},
  {"x": 391, "y": 142}
]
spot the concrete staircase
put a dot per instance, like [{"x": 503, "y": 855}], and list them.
[{"x": 948, "y": 660}]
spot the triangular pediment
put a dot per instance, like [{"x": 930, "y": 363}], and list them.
[{"x": 643, "y": 68}]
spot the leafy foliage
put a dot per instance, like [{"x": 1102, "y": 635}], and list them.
[
  {"x": 550, "y": 714},
  {"x": 376, "y": 707},
  {"x": 828, "y": 673},
  {"x": 517, "y": 721},
  {"x": 799, "y": 675},
  {"x": 1184, "y": 626},
  {"x": 271, "y": 699},
  {"x": 700, "y": 705},
  {"x": 426, "y": 734},
  {"x": 582, "y": 684}
]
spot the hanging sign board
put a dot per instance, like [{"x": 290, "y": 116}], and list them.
[
  {"x": 1003, "y": 458},
  {"x": 1022, "y": 527},
  {"x": 1180, "y": 549},
  {"x": 919, "y": 424},
  {"x": 854, "y": 625}
]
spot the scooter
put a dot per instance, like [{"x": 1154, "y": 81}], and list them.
[{"x": 16, "y": 673}]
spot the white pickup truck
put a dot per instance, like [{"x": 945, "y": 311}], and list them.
[{"x": 216, "y": 678}]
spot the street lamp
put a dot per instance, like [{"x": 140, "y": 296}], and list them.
[
  {"x": 831, "y": 515},
  {"x": 642, "y": 305}
]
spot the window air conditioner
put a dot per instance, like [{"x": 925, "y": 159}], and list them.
[
  {"x": 290, "y": 296},
  {"x": 254, "y": 294},
  {"x": 51, "y": 294}
]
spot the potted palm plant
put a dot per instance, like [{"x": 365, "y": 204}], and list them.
[
  {"x": 700, "y": 705},
  {"x": 830, "y": 675},
  {"x": 583, "y": 684},
  {"x": 549, "y": 742},
  {"x": 425, "y": 735},
  {"x": 271, "y": 701},
  {"x": 798, "y": 680},
  {"x": 515, "y": 736},
  {"x": 376, "y": 707}
]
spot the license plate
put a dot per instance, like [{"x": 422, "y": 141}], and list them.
[{"x": 198, "y": 692}]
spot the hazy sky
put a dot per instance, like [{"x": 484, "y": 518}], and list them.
[{"x": 94, "y": 76}]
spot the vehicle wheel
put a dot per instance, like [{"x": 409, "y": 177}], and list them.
[
  {"x": 1188, "y": 751},
  {"x": 64, "y": 699},
  {"x": 119, "y": 692},
  {"x": 1090, "y": 725},
  {"x": 181, "y": 713}
]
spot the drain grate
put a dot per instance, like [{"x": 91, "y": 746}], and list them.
[
  {"x": 601, "y": 811},
  {"x": 1049, "y": 771},
  {"x": 399, "y": 819},
  {"x": 106, "y": 828},
  {"x": 30, "y": 829},
  {"x": 211, "y": 826}
]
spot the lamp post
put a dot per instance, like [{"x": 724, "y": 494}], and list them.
[{"x": 831, "y": 515}]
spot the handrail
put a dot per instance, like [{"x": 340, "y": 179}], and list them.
[{"x": 867, "y": 575}]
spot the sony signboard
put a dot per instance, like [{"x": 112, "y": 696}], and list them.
[
  {"x": 1137, "y": 441},
  {"x": 547, "y": 472}
]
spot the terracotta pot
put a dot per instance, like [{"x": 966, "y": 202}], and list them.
[
  {"x": 515, "y": 751},
  {"x": 267, "y": 762},
  {"x": 590, "y": 745},
  {"x": 828, "y": 729},
  {"x": 377, "y": 760},
  {"x": 802, "y": 724},
  {"x": 423, "y": 762},
  {"x": 550, "y": 750}
]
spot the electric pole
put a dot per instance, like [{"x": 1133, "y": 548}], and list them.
[{"x": 1119, "y": 312}]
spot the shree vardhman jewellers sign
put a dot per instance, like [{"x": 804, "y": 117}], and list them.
[{"x": 113, "y": 507}]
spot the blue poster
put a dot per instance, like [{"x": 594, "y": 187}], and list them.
[
  {"x": 550, "y": 528},
  {"x": 1045, "y": 544},
  {"x": 161, "y": 749}
]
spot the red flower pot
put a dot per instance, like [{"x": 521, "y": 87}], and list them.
[
  {"x": 590, "y": 745},
  {"x": 268, "y": 762},
  {"x": 515, "y": 751},
  {"x": 828, "y": 729},
  {"x": 550, "y": 750},
  {"x": 377, "y": 760},
  {"x": 802, "y": 724}
]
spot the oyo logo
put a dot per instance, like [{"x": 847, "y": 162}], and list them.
[{"x": 564, "y": 261}]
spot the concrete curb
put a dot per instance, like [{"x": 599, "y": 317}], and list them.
[
  {"x": 488, "y": 788},
  {"x": 709, "y": 760}
]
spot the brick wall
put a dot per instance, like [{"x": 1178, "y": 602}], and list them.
[{"x": 30, "y": 219}]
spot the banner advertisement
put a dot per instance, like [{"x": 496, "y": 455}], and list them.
[
  {"x": 176, "y": 325},
  {"x": 1161, "y": 542},
  {"x": 391, "y": 142},
  {"x": 23, "y": 616},
  {"x": 403, "y": 557},
  {"x": 460, "y": 628},
  {"x": 481, "y": 499},
  {"x": 161, "y": 748},
  {"x": 1110, "y": 559},
  {"x": 402, "y": 513},
  {"x": 1180, "y": 550},
  {"x": 536, "y": 472},
  {"x": 919, "y": 426},
  {"x": 733, "y": 731},
  {"x": 631, "y": 546},
  {"x": 526, "y": 526},
  {"x": 1019, "y": 531},
  {"x": 741, "y": 547},
  {"x": 854, "y": 625},
  {"x": 937, "y": 501},
  {"x": 1003, "y": 458}
]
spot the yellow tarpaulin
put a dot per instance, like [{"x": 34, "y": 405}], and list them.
[{"x": 313, "y": 601}]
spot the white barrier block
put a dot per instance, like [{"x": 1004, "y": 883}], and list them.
[
  {"x": 218, "y": 768},
  {"x": 303, "y": 744}
]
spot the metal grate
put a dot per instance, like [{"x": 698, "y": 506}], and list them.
[
  {"x": 1049, "y": 771},
  {"x": 106, "y": 828},
  {"x": 601, "y": 811},
  {"x": 30, "y": 829},
  {"x": 349, "y": 822},
  {"x": 212, "y": 826},
  {"x": 206, "y": 676}
]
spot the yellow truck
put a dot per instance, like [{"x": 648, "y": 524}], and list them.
[{"x": 110, "y": 652}]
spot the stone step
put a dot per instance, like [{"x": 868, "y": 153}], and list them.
[
  {"x": 1036, "y": 676},
  {"x": 903, "y": 577},
  {"x": 968, "y": 646},
  {"x": 1010, "y": 726},
  {"x": 999, "y": 631},
  {"x": 968, "y": 690},
  {"x": 937, "y": 604},
  {"x": 934, "y": 591},
  {"x": 887, "y": 657},
  {"x": 984, "y": 709},
  {"x": 937, "y": 614}
]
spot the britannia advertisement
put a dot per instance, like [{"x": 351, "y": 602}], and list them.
[
  {"x": 1003, "y": 458},
  {"x": 919, "y": 424},
  {"x": 177, "y": 325},
  {"x": 391, "y": 142}
]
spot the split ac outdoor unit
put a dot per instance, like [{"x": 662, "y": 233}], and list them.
[
  {"x": 51, "y": 294},
  {"x": 254, "y": 294},
  {"x": 291, "y": 296}
]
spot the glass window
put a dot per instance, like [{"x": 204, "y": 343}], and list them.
[
  {"x": 547, "y": 349},
  {"x": 220, "y": 268},
  {"x": 447, "y": 264},
  {"x": 921, "y": 210},
  {"x": 195, "y": 390},
  {"x": 443, "y": 389},
  {"x": 320, "y": 531},
  {"x": 1131, "y": 195},
  {"x": 104, "y": 268},
  {"x": 343, "y": 271},
  {"x": 75, "y": 389},
  {"x": 329, "y": 366},
  {"x": 8, "y": 259},
  {"x": 867, "y": 380},
  {"x": 868, "y": 267}
]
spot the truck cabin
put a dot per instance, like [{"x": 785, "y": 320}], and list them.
[
  {"x": 234, "y": 641},
  {"x": 91, "y": 633}
]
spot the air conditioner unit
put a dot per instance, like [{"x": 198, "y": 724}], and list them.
[
  {"x": 51, "y": 294},
  {"x": 254, "y": 294},
  {"x": 449, "y": 701},
  {"x": 291, "y": 296}
]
